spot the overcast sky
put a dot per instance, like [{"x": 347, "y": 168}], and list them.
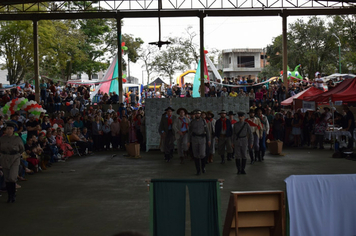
[{"x": 220, "y": 32}]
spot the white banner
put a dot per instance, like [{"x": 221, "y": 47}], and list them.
[{"x": 309, "y": 105}]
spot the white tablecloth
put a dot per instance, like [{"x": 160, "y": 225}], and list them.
[
  {"x": 322, "y": 205},
  {"x": 337, "y": 134}
]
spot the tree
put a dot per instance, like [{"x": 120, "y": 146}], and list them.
[
  {"x": 309, "y": 44},
  {"x": 147, "y": 55},
  {"x": 344, "y": 27},
  {"x": 168, "y": 61},
  {"x": 63, "y": 51}
]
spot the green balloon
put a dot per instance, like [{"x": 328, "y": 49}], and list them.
[
  {"x": 123, "y": 76},
  {"x": 205, "y": 76}
]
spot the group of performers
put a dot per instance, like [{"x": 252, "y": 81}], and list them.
[{"x": 197, "y": 132}]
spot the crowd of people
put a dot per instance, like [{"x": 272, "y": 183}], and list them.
[
  {"x": 72, "y": 118},
  {"x": 199, "y": 135}
]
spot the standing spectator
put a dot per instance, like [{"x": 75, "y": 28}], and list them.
[
  {"x": 320, "y": 128},
  {"x": 296, "y": 129},
  {"x": 106, "y": 135},
  {"x": 288, "y": 128},
  {"x": 115, "y": 133},
  {"x": 251, "y": 96},
  {"x": 43, "y": 87},
  {"x": 97, "y": 132},
  {"x": 124, "y": 129},
  {"x": 350, "y": 125}
]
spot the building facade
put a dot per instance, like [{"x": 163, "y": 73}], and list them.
[{"x": 243, "y": 62}]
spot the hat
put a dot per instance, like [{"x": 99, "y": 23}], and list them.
[
  {"x": 182, "y": 109},
  {"x": 210, "y": 113},
  {"x": 197, "y": 111},
  {"x": 251, "y": 111},
  {"x": 231, "y": 113},
  {"x": 222, "y": 112},
  {"x": 240, "y": 113},
  {"x": 31, "y": 115},
  {"x": 11, "y": 124},
  {"x": 169, "y": 108},
  {"x": 326, "y": 108}
]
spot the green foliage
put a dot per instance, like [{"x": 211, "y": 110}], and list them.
[{"x": 312, "y": 45}]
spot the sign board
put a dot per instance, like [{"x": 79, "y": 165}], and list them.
[
  {"x": 338, "y": 103},
  {"x": 309, "y": 105}
]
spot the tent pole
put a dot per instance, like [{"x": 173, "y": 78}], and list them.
[
  {"x": 35, "y": 54},
  {"x": 202, "y": 55},
  {"x": 285, "y": 54},
  {"x": 119, "y": 58}
]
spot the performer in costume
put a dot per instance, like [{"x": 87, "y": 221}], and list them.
[
  {"x": 166, "y": 131},
  {"x": 242, "y": 141},
  {"x": 257, "y": 131},
  {"x": 181, "y": 127},
  {"x": 265, "y": 125},
  {"x": 223, "y": 131},
  {"x": 210, "y": 119},
  {"x": 198, "y": 137}
]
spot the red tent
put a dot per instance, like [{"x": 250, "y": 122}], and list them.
[
  {"x": 299, "y": 96},
  {"x": 348, "y": 95},
  {"x": 347, "y": 85}
]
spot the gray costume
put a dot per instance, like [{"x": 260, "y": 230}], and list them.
[
  {"x": 242, "y": 140},
  {"x": 198, "y": 137},
  {"x": 11, "y": 148},
  {"x": 198, "y": 133}
]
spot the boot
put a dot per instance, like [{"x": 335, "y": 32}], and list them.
[
  {"x": 257, "y": 156},
  {"x": 9, "y": 192},
  {"x": 43, "y": 165},
  {"x": 243, "y": 166},
  {"x": 197, "y": 165},
  {"x": 238, "y": 166},
  {"x": 203, "y": 165},
  {"x": 13, "y": 191},
  {"x": 210, "y": 158},
  {"x": 229, "y": 156},
  {"x": 181, "y": 160},
  {"x": 222, "y": 159},
  {"x": 262, "y": 155},
  {"x": 251, "y": 156}
]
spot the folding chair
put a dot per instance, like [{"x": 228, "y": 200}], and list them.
[{"x": 73, "y": 144}]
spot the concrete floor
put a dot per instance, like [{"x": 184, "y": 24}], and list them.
[{"x": 101, "y": 195}]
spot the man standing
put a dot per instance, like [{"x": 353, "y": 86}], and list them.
[
  {"x": 180, "y": 128},
  {"x": 257, "y": 131},
  {"x": 198, "y": 136},
  {"x": 242, "y": 136},
  {"x": 350, "y": 122},
  {"x": 210, "y": 120},
  {"x": 166, "y": 131},
  {"x": 223, "y": 131},
  {"x": 265, "y": 128}
]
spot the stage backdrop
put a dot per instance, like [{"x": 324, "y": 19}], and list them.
[{"x": 154, "y": 108}]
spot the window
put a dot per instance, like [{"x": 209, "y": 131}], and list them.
[
  {"x": 229, "y": 60},
  {"x": 246, "y": 61}
]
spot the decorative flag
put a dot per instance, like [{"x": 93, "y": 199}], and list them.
[{"x": 196, "y": 83}]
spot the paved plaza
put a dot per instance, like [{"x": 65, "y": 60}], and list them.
[{"x": 103, "y": 195}]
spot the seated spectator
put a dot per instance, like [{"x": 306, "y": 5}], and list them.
[
  {"x": 82, "y": 143},
  {"x": 45, "y": 124},
  {"x": 68, "y": 126},
  {"x": 78, "y": 123},
  {"x": 65, "y": 149},
  {"x": 110, "y": 110},
  {"x": 33, "y": 126}
]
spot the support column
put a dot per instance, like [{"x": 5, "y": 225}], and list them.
[
  {"x": 202, "y": 55},
  {"x": 285, "y": 53},
  {"x": 36, "y": 59},
  {"x": 119, "y": 58}
]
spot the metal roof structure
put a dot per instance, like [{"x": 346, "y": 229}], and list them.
[{"x": 28, "y": 9}]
